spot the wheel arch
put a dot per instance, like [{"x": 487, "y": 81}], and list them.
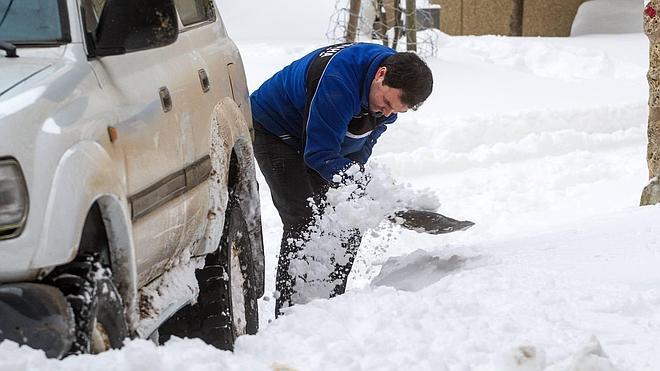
[
  {"x": 105, "y": 233},
  {"x": 86, "y": 207},
  {"x": 232, "y": 126}
]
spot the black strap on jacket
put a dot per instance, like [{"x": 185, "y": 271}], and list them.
[{"x": 362, "y": 123}]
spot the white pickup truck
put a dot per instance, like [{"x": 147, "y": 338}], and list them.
[{"x": 128, "y": 200}]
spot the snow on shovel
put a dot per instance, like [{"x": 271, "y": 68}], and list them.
[{"x": 429, "y": 222}]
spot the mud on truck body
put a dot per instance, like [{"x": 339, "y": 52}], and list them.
[{"x": 128, "y": 199}]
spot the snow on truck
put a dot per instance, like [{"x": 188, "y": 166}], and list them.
[{"x": 128, "y": 198}]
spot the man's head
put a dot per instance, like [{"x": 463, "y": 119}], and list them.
[{"x": 403, "y": 81}]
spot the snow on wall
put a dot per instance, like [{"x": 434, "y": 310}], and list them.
[{"x": 608, "y": 17}]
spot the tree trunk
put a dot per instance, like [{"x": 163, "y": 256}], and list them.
[
  {"x": 354, "y": 15},
  {"x": 411, "y": 26},
  {"x": 516, "y": 23},
  {"x": 651, "y": 193}
]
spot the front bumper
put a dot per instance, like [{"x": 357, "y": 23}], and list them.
[{"x": 36, "y": 315}]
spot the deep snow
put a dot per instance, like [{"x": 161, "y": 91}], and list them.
[{"x": 541, "y": 141}]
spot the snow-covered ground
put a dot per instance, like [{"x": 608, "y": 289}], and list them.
[{"x": 541, "y": 142}]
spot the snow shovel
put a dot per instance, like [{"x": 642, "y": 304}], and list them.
[{"x": 429, "y": 222}]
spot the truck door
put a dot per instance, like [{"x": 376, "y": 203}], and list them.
[
  {"x": 146, "y": 90},
  {"x": 203, "y": 34}
]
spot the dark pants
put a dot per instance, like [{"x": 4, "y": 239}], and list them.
[{"x": 291, "y": 184}]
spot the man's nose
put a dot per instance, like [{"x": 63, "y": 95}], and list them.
[{"x": 387, "y": 112}]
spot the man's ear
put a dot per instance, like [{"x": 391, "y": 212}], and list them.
[{"x": 380, "y": 74}]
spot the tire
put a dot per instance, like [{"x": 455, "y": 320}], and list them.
[
  {"x": 97, "y": 307},
  {"x": 227, "y": 303}
]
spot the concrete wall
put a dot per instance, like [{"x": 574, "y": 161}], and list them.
[
  {"x": 549, "y": 17},
  {"x": 485, "y": 17},
  {"x": 451, "y": 16},
  {"x": 482, "y": 17}
]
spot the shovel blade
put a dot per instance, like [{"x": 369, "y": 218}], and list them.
[{"x": 429, "y": 222}]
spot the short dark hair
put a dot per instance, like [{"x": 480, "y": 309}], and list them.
[{"x": 408, "y": 72}]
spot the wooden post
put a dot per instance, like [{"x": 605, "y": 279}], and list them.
[
  {"x": 380, "y": 29},
  {"x": 651, "y": 193},
  {"x": 411, "y": 26},
  {"x": 397, "y": 23},
  {"x": 354, "y": 14}
]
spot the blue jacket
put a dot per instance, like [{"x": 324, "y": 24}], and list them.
[{"x": 315, "y": 115}]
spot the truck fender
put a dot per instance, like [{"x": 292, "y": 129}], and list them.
[{"x": 84, "y": 175}]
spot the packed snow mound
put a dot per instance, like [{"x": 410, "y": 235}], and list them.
[
  {"x": 136, "y": 355},
  {"x": 591, "y": 357},
  {"x": 548, "y": 60},
  {"x": 521, "y": 358},
  {"x": 469, "y": 141},
  {"x": 608, "y": 17}
]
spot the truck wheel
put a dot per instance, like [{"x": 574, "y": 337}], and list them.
[
  {"x": 242, "y": 284},
  {"x": 227, "y": 303},
  {"x": 97, "y": 306}
]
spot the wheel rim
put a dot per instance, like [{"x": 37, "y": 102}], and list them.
[
  {"x": 237, "y": 282},
  {"x": 100, "y": 340}
]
